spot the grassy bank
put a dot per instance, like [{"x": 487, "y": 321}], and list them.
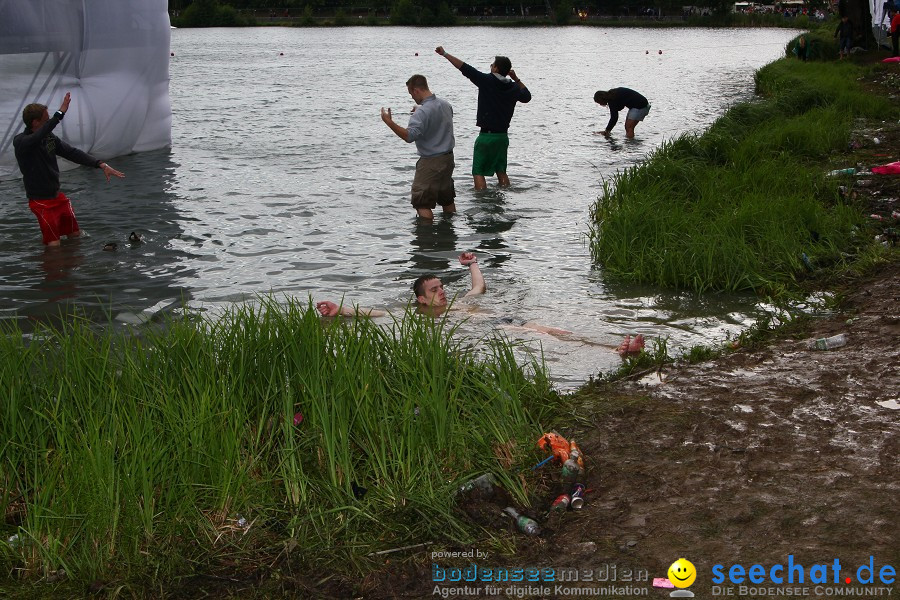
[
  {"x": 132, "y": 460},
  {"x": 747, "y": 205}
]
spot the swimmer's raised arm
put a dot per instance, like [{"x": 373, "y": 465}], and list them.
[
  {"x": 329, "y": 309},
  {"x": 470, "y": 260}
]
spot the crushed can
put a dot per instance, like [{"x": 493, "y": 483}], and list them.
[
  {"x": 577, "y": 496},
  {"x": 561, "y": 504}
]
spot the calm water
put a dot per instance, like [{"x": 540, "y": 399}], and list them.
[{"x": 282, "y": 178}]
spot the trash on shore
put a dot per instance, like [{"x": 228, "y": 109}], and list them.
[
  {"x": 888, "y": 169},
  {"x": 828, "y": 343},
  {"x": 556, "y": 444},
  {"x": 577, "y": 496},
  {"x": 561, "y": 504},
  {"x": 483, "y": 483},
  {"x": 525, "y": 524},
  {"x": 838, "y": 172}
]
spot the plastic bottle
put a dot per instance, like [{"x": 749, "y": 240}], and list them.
[
  {"x": 525, "y": 525},
  {"x": 484, "y": 483},
  {"x": 576, "y": 454},
  {"x": 571, "y": 468},
  {"x": 829, "y": 343},
  {"x": 848, "y": 171}
]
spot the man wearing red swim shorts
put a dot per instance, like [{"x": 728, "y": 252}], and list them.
[{"x": 36, "y": 150}]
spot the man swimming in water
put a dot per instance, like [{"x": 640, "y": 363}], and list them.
[
  {"x": 431, "y": 299},
  {"x": 428, "y": 289}
]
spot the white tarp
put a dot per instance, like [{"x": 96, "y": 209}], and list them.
[{"x": 112, "y": 55}]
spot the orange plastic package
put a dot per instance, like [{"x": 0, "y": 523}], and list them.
[{"x": 555, "y": 443}]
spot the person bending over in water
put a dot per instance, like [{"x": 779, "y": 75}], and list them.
[
  {"x": 431, "y": 299},
  {"x": 617, "y": 99}
]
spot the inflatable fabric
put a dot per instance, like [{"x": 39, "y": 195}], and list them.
[
  {"x": 112, "y": 55},
  {"x": 888, "y": 169}
]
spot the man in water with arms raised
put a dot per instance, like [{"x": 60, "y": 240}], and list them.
[
  {"x": 498, "y": 92},
  {"x": 431, "y": 300},
  {"x": 36, "y": 150},
  {"x": 431, "y": 128}
]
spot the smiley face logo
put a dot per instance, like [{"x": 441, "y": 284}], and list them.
[{"x": 682, "y": 573}]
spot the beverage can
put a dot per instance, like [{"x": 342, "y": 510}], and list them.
[
  {"x": 577, "y": 496},
  {"x": 561, "y": 503}
]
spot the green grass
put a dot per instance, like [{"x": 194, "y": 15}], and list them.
[
  {"x": 134, "y": 457},
  {"x": 745, "y": 205}
]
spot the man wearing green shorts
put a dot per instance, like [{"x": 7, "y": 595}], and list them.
[{"x": 498, "y": 92}]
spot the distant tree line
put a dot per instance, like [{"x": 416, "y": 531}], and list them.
[{"x": 199, "y": 13}]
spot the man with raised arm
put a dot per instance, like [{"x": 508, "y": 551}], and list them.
[
  {"x": 36, "y": 151},
  {"x": 431, "y": 300},
  {"x": 428, "y": 289},
  {"x": 431, "y": 128},
  {"x": 498, "y": 92}
]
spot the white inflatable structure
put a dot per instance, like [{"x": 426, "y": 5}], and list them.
[
  {"x": 881, "y": 20},
  {"x": 112, "y": 55}
]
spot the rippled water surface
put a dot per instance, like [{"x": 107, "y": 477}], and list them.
[{"x": 282, "y": 178}]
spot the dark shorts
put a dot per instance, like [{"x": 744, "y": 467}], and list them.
[
  {"x": 490, "y": 154},
  {"x": 55, "y": 217},
  {"x": 845, "y": 44},
  {"x": 433, "y": 183}
]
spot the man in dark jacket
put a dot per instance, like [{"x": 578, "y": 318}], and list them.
[
  {"x": 36, "y": 150},
  {"x": 498, "y": 92},
  {"x": 617, "y": 99}
]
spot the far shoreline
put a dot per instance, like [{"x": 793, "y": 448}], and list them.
[{"x": 339, "y": 18}]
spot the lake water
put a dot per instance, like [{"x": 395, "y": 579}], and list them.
[{"x": 282, "y": 178}]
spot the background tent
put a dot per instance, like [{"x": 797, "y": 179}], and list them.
[{"x": 112, "y": 55}]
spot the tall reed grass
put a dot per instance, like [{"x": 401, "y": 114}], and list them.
[
  {"x": 745, "y": 205},
  {"x": 147, "y": 456}
]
